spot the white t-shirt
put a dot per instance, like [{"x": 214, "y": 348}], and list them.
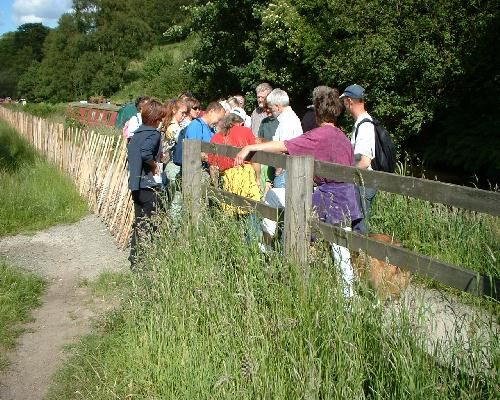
[
  {"x": 364, "y": 142},
  {"x": 134, "y": 122},
  {"x": 289, "y": 125}
]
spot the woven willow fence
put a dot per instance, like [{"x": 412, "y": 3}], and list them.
[{"x": 97, "y": 164}]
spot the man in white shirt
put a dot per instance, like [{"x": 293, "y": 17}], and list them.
[
  {"x": 289, "y": 126},
  {"x": 363, "y": 141}
]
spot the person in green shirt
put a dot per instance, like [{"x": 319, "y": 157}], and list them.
[{"x": 267, "y": 129}]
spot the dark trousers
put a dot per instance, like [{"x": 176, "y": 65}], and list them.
[
  {"x": 145, "y": 205},
  {"x": 365, "y": 198}
]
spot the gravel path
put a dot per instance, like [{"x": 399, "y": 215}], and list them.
[{"x": 64, "y": 255}]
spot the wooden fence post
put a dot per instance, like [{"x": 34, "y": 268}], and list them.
[
  {"x": 298, "y": 204},
  {"x": 191, "y": 179}
]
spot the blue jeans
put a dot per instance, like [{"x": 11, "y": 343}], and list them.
[{"x": 365, "y": 197}]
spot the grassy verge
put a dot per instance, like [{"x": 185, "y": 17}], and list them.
[
  {"x": 34, "y": 194},
  {"x": 211, "y": 317},
  {"x": 460, "y": 237},
  {"x": 19, "y": 293},
  {"x": 109, "y": 284},
  {"x": 43, "y": 110}
]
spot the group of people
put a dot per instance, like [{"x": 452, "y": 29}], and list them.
[{"x": 273, "y": 126}]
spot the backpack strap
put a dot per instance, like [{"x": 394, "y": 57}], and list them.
[{"x": 362, "y": 122}]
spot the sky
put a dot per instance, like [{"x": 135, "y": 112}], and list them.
[{"x": 17, "y": 12}]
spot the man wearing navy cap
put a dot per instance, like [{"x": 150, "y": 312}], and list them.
[{"x": 363, "y": 140}]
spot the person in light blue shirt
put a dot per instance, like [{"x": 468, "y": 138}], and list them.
[{"x": 203, "y": 128}]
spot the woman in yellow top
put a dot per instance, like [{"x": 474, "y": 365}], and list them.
[{"x": 242, "y": 180}]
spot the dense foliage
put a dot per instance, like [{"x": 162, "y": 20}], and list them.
[
  {"x": 425, "y": 64},
  {"x": 17, "y": 51},
  {"x": 409, "y": 55},
  {"x": 88, "y": 53}
]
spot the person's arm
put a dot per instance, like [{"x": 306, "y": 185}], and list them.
[
  {"x": 364, "y": 147},
  {"x": 362, "y": 161},
  {"x": 272, "y": 147},
  {"x": 256, "y": 168},
  {"x": 147, "y": 152}
]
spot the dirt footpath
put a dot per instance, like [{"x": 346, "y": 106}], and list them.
[{"x": 65, "y": 255}]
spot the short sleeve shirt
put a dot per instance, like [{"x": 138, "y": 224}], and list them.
[
  {"x": 289, "y": 125},
  {"x": 326, "y": 143},
  {"x": 238, "y": 136},
  {"x": 198, "y": 129},
  {"x": 364, "y": 142}
]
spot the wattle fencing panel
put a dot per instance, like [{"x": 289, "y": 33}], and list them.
[{"x": 97, "y": 164}]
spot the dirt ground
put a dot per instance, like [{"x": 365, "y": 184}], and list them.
[{"x": 65, "y": 255}]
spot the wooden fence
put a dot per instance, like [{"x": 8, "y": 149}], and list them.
[
  {"x": 297, "y": 213},
  {"x": 97, "y": 164}
]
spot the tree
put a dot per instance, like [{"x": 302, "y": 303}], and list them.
[
  {"x": 227, "y": 34},
  {"x": 18, "y": 50}
]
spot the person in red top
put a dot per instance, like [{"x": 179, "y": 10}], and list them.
[
  {"x": 244, "y": 179},
  {"x": 233, "y": 133}
]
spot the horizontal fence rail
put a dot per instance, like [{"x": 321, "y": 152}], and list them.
[
  {"x": 448, "y": 274},
  {"x": 469, "y": 198},
  {"x": 437, "y": 192}
]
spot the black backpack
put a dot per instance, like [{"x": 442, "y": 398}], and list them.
[{"x": 385, "y": 151}]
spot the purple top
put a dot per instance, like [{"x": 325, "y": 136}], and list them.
[
  {"x": 334, "y": 202},
  {"x": 326, "y": 143}
]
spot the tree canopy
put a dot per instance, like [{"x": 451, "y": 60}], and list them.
[
  {"x": 88, "y": 53},
  {"x": 424, "y": 63},
  {"x": 420, "y": 61},
  {"x": 18, "y": 50}
]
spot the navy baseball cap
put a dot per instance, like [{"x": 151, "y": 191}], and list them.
[{"x": 354, "y": 92}]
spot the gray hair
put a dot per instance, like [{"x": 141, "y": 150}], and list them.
[
  {"x": 229, "y": 121},
  {"x": 278, "y": 97},
  {"x": 263, "y": 87}
]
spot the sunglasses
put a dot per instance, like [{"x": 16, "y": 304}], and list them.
[{"x": 195, "y": 108}]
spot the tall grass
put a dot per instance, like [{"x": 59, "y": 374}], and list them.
[
  {"x": 19, "y": 293},
  {"x": 34, "y": 194},
  {"x": 211, "y": 317},
  {"x": 460, "y": 237}
]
